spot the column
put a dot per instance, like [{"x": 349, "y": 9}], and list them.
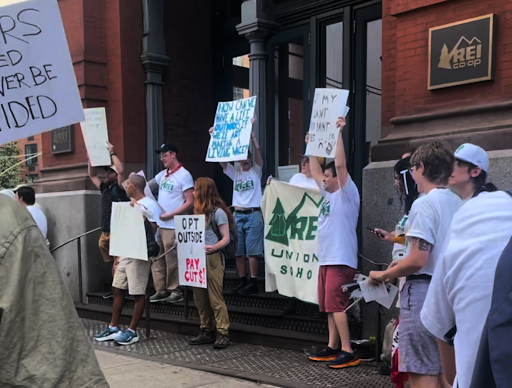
[
  {"x": 155, "y": 62},
  {"x": 258, "y": 25}
]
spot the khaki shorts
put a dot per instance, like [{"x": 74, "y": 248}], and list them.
[
  {"x": 104, "y": 245},
  {"x": 132, "y": 275}
]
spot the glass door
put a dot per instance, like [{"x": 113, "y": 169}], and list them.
[{"x": 289, "y": 96}]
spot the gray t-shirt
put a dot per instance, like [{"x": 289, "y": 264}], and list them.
[{"x": 221, "y": 218}]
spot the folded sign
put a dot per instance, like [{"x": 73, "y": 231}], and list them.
[{"x": 38, "y": 89}]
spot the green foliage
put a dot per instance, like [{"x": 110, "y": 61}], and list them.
[{"x": 11, "y": 170}]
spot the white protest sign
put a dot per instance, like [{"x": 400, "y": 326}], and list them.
[
  {"x": 38, "y": 88},
  {"x": 231, "y": 131},
  {"x": 328, "y": 105},
  {"x": 191, "y": 254},
  {"x": 94, "y": 129},
  {"x": 127, "y": 232},
  {"x": 291, "y": 250}
]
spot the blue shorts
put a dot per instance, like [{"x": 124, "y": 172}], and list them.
[{"x": 250, "y": 234}]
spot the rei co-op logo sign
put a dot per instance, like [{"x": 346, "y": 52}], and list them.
[{"x": 461, "y": 53}]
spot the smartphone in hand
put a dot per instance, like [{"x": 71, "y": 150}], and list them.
[{"x": 376, "y": 232}]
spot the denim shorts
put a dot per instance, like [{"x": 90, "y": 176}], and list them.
[{"x": 250, "y": 234}]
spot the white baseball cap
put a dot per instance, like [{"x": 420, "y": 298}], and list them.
[{"x": 473, "y": 154}]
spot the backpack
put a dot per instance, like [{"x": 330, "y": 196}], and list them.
[
  {"x": 151, "y": 244},
  {"x": 229, "y": 250}
]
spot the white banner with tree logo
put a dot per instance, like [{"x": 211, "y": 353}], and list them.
[{"x": 291, "y": 224}]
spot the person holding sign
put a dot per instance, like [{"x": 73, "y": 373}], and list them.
[
  {"x": 210, "y": 301},
  {"x": 337, "y": 252},
  {"x": 131, "y": 274},
  {"x": 247, "y": 195},
  {"x": 111, "y": 191},
  {"x": 176, "y": 196}
]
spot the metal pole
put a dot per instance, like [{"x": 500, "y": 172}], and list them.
[
  {"x": 378, "y": 334},
  {"x": 80, "y": 280},
  {"x": 148, "y": 304}
]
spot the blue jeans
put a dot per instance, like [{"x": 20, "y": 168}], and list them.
[{"x": 250, "y": 234}]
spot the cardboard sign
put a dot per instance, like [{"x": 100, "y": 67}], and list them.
[
  {"x": 38, "y": 89},
  {"x": 231, "y": 131},
  {"x": 191, "y": 255},
  {"x": 328, "y": 105},
  {"x": 127, "y": 232},
  {"x": 291, "y": 223},
  {"x": 94, "y": 129}
]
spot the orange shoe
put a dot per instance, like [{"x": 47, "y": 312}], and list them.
[
  {"x": 327, "y": 354},
  {"x": 344, "y": 360}
]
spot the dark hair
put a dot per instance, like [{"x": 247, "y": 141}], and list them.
[
  {"x": 27, "y": 195},
  {"x": 480, "y": 181},
  {"x": 332, "y": 167},
  {"x": 437, "y": 162},
  {"x": 408, "y": 191}
]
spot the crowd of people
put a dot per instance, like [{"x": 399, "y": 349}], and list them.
[{"x": 446, "y": 249}]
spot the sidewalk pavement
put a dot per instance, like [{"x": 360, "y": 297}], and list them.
[{"x": 130, "y": 372}]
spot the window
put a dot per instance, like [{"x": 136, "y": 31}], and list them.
[
  {"x": 241, "y": 77},
  {"x": 30, "y": 155}
]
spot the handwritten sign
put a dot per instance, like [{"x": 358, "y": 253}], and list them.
[
  {"x": 94, "y": 129},
  {"x": 38, "y": 89},
  {"x": 231, "y": 131},
  {"x": 191, "y": 254},
  {"x": 127, "y": 232},
  {"x": 328, "y": 105}
]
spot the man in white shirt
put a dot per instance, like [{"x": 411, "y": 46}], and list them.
[
  {"x": 426, "y": 232},
  {"x": 176, "y": 196},
  {"x": 246, "y": 177},
  {"x": 27, "y": 197},
  {"x": 304, "y": 178},
  {"x": 131, "y": 274},
  {"x": 337, "y": 252},
  {"x": 461, "y": 290}
]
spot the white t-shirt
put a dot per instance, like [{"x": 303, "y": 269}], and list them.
[
  {"x": 337, "y": 222},
  {"x": 39, "y": 218},
  {"x": 303, "y": 181},
  {"x": 429, "y": 219},
  {"x": 461, "y": 290},
  {"x": 151, "y": 210},
  {"x": 246, "y": 185},
  {"x": 171, "y": 192}
]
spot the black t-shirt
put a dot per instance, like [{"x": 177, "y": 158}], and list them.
[{"x": 110, "y": 194}]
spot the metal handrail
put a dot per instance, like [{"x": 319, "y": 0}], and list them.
[{"x": 75, "y": 238}]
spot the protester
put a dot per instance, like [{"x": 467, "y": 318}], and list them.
[
  {"x": 469, "y": 177},
  {"x": 26, "y": 195},
  {"x": 337, "y": 252},
  {"x": 111, "y": 191},
  {"x": 176, "y": 196},
  {"x": 42, "y": 341},
  {"x": 426, "y": 231},
  {"x": 210, "y": 301},
  {"x": 131, "y": 274},
  {"x": 246, "y": 177},
  {"x": 462, "y": 287},
  {"x": 304, "y": 178}
]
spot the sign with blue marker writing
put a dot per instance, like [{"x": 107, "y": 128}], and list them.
[
  {"x": 231, "y": 131},
  {"x": 38, "y": 88},
  {"x": 328, "y": 105}
]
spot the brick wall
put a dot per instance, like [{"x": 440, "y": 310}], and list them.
[
  {"x": 405, "y": 57},
  {"x": 188, "y": 107}
]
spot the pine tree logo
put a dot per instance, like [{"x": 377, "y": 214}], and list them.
[
  {"x": 445, "y": 59},
  {"x": 280, "y": 224}
]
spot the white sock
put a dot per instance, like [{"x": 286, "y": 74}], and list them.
[
  {"x": 112, "y": 327},
  {"x": 133, "y": 331},
  {"x": 254, "y": 277}
]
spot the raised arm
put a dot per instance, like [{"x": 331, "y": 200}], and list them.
[
  {"x": 257, "y": 151},
  {"x": 316, "y": 170},
  {"x": 117, "y": 163},
  {"x": 93, "y": 174},
  {"x": 340, "y": 160}
]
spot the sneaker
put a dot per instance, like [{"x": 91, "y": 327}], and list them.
[
  {"x": 328, "y": 354},
  {"x": 108, "y": 296},
  {"x": 222, "y": 342},
  {"x": 204, "y": 337},
  {"x": 158, "y": 297},
  {"x": 250, "y": 288},
  {"x": 174, "y": 298},
  {"x": 242, "y": 282},
  {"x": 108, "y": 334},
  {"x": 344, "y": 360},
  {"x": 127, "y": 337}
]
